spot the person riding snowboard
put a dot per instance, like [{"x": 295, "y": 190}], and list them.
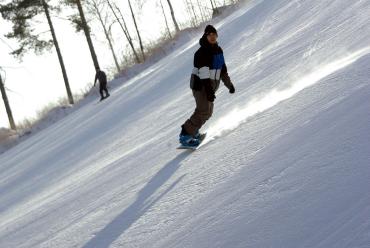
[
  {"x": 209, "y": 69},
  {"x": 102, "y": 77}
]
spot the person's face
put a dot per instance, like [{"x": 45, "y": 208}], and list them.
[{"x": 212, "y": 38}]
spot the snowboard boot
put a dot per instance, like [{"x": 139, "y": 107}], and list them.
[{"x": 188, "y": 140}]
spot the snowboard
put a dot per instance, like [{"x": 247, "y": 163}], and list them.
[
  {"x": 183, "y": 147},
  {"x": 102, "y": 100}
]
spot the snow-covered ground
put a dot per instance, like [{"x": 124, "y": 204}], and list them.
[{"x": 286, "y": 162}]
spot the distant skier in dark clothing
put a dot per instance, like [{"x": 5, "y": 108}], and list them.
[
  {"x": 102, "y": 77},
  {"x": 209, "y": 69}
]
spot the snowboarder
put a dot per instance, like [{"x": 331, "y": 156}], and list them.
[
  {"x": 209, "y": 69},
  {"x": 102, "y": 77}
]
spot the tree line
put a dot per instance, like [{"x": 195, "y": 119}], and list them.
[{"x": 22, "y": 13}]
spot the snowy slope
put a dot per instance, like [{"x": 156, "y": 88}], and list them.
[{"x": 286, "y": 163}]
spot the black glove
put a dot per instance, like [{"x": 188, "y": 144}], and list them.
[
  {"x": 209, "y": 90},
  {"x": 232, "y": 89}
]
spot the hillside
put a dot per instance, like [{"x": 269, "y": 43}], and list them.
[{"x": 286, "y": 162}]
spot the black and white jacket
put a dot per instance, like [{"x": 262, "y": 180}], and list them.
[{"x": 209, "y": 65}]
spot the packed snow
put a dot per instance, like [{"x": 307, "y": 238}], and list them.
[{"x": 285, "y": 163}]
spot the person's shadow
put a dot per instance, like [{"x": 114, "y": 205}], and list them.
[{"x": 143, "y": 202}]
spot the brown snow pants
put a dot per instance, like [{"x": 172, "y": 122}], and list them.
[{"x": 202, "y": 113}]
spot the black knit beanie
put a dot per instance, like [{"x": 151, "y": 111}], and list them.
[{"x": 210, "y": 29}]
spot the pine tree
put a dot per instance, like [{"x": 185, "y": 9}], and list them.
[{"x": 21, "y": 13}]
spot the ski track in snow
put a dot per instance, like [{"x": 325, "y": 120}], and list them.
[{"x": 238, "y": 116}]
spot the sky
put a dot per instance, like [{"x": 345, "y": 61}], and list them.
[{"x": 37, "y": 81}]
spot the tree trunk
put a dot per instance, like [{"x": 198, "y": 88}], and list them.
[
  {"x": 173, "y": 16},
  {"x": 165, "y": 19},
  {"x": 87, "y": 34},
  {"x": 213, "y": 7},
  {"x": 124, "y": 29},
  {"x": 137, "y": 30},
  {"x": 7, "y": 106},
  {"x": 195, "y": 13},
  {"x": 204, "y": 18},
  {"x": 192, "y": 10},
  {"x": 191, "y": 18},
  {"x": 60, "y": 58},
  {"x": 106, "y": 33}
]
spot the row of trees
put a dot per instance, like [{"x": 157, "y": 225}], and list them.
[{"x": 21, "y": 13}]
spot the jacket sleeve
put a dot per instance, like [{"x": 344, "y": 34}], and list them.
[{"x": 225, "y": 77}]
